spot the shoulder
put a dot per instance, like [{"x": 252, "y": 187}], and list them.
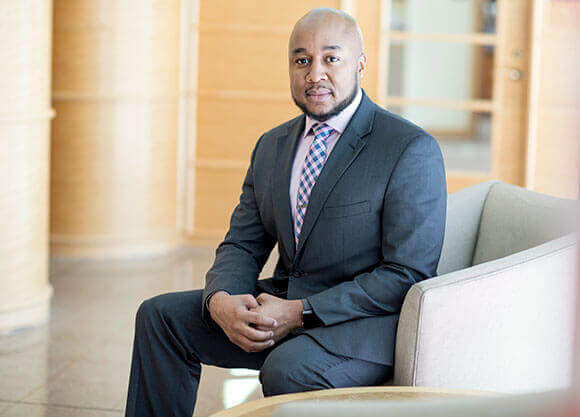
[
  {"x": 392, "y": 125},
  {"x": 391, "y": 130},
  {"x": 285, "y": 127},
  {"x": 279, "y": 134}
]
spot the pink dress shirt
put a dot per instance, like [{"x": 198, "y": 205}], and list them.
[{"x": 338, "y": 123}]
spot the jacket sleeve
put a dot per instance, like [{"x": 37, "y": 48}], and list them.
[
  {"x": 245, "y": 248},
  {"x": 413, "y": 225}
]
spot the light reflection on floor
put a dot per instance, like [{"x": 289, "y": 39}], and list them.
[{"x": 239, "y": 389}]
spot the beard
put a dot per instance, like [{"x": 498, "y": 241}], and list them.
[{"x": 335, "y": 110}]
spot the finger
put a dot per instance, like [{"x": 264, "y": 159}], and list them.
[
  {"x": 265, "y": 297},
  {"x": 256, "y": 335},
  {"x": 250, "y": 346},
  {"x": 259, "y": 319},
  {"x": 249, "y": 301}
]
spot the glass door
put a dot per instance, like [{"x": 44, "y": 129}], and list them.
[{"x": 456, "y": 68}]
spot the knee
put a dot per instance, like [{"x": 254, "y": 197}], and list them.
[
  {"x": 281, "y": 374},
  {"x": 150, "y": 311},
  {"x": 274, "y": 376}
]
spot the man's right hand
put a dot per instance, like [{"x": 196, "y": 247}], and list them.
[{"x": 232, "y": 313}]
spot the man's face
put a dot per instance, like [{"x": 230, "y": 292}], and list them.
[{"x": 326, "y": 65}]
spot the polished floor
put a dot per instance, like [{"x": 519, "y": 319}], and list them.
[{"x": 78, "y": 363}]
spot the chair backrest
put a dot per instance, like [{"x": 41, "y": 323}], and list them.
[
  {"x": 515, "y": 219},
  {"x": 491, "y": 220},
  {"x": 464, "y": 210}
]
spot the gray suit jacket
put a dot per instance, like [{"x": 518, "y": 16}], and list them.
[{"x": 374, "y": 226}]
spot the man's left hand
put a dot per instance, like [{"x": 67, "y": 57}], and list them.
[{"x": 287, "y": 313}]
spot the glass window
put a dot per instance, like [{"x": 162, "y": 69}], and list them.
[
  {"x": 440, "y": 70},
  {"x": 443, "y": 16}
]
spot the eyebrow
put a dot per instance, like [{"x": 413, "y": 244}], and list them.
[{"x": 326, "y": 47}]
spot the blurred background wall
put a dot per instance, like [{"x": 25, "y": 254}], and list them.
[{"x": 159, "y": 104}]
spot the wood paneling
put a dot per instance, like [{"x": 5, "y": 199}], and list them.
[
  {"x": 188, "y": 82},
  {"x": 25, "y": 36},
  {"x": 554, "y": 155},
  {"x": 259, "y": 12},
  {"x": 218, "y": 191},
  {"x": 509, "y": 150},
  {"x": 114, "y": 151},
  {"x": 509, "y": 122},
  {"x": 227, "y": 133},
  {"x": 369, "y": 20},
  {"x": 107, "y": 186},
  {"x": 558, "y": 153},
  {"x": 243, "y": 61}
]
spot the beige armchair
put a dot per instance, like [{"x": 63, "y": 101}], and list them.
[{"x": 499, "y": 316}]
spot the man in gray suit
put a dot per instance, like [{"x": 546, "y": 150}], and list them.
[{"x": 355, "y": 198}]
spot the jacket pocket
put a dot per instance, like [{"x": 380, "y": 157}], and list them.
[{"x": 347, "y": 210}]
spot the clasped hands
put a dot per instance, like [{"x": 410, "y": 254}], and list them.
[{"x": 255, "y": 323}]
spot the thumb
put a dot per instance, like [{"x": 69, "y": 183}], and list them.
[{"x": 264, "y": 298}]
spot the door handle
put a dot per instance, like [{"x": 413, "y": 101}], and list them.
[{"x": 515, "y": 74}]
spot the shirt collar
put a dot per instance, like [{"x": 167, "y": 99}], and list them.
[{"x": 340, "y": 121}]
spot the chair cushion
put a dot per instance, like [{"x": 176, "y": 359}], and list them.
[{"x": 515, "y": 219}]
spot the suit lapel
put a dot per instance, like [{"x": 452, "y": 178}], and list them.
[
  {"x": 349, "y": 145},
  {"x": 286, "y": 149}
]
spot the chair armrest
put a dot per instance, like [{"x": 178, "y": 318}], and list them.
[{"x": 504, "y": 325}]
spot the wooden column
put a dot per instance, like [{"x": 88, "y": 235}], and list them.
[
  {"x": 553, "y": 148},
  {"x": 25, "y": 36},
  {"x": 114, "y": 149},
  {"x": 188, "y": 76}
]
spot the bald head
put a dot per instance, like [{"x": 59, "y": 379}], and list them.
[
  {"x": 326, "y": 62},
  {"x": 339, "y": 21}
]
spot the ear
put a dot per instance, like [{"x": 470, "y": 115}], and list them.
[{"x": 362, "y": 64}]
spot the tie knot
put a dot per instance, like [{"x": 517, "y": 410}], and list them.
[{"x": 321, "y": 130}]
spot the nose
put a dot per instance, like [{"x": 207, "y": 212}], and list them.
[{"x": 317, "y": 72}]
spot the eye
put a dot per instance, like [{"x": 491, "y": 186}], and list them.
[
  {"x": 332, "y": 59},
  {"x": 302, "y": 61}
]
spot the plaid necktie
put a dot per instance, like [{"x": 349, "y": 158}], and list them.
[{"x": 312, "y": 166}]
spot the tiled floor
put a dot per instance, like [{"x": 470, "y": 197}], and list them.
[{"x": 78, "y": 364}]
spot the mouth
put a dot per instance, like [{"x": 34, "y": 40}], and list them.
[{"x": 318, "y": 94}]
